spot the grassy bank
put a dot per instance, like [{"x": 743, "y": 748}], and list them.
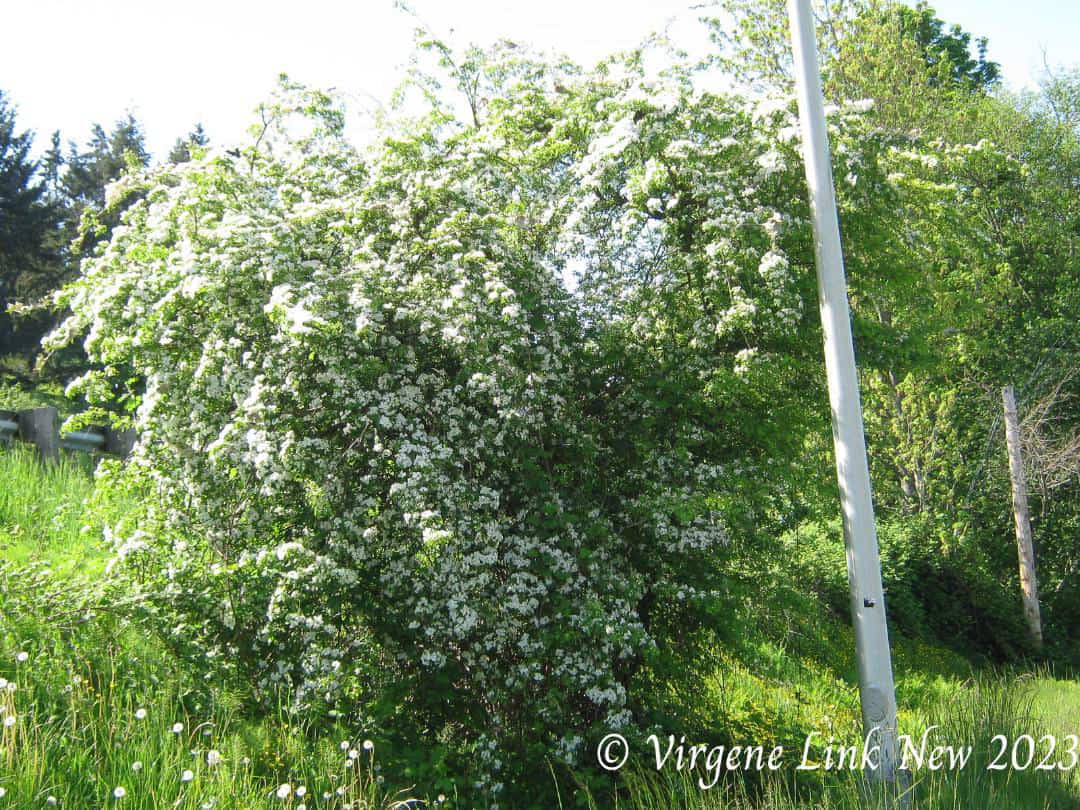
[{"x": 97, "y": 714}]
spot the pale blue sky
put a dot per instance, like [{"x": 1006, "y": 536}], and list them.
[{"x": 67, "y": 63}]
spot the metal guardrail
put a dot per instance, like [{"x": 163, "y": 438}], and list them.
[
  {"x": 82, "y": 440},
  {"x": 41, "y": 427}
]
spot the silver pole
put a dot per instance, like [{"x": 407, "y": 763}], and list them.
[{"x": 876, "y": 688}]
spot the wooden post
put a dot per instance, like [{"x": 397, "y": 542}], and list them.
[
  {"x": 1025, "y": 550},
  {"x": 41, "y": 426},
  {"x": 120, "y": 442}
]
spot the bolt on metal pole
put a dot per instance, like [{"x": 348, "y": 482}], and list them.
[{"x": 876, "y": 689}]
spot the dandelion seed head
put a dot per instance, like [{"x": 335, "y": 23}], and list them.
[
  {"x": 140, "y": 714},
  {"x": 119, "y": 792},
  {"x": 177, "y": 728},
  {"x": 187, "y": 776},
  {"x": 285, "y": 791}
]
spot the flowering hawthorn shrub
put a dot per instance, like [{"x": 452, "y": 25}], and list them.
[{"x": 392, "y": 455}]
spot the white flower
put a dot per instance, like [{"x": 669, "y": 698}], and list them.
[
  {"x": 22, "y": 657},
  {"x": 213, "y": 758},
  {"x": 187, "y": 776},
  {"x": 301, "y": 791},
  {"x": 51, "y": 801},
  {"x": 9, "y": 721},
  {"x": 177, "y": 728},
  {"x": 136, "y": 766},
  {"x": 119, "y": 792},
  {"x": 285, "y": 791},
  {"x": 140, "y": 714},
  {"x": 3, "y": 791},
  {"x": 368, "y": 745}
]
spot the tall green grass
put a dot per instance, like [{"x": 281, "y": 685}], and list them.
[
  {"x": 92, "y": 668},
  {"x": 93, "y": 739},
  {"x": 44, "y": 509},
  {"x": 971, "y": 714},
  {"x": 94, "y": 712}
]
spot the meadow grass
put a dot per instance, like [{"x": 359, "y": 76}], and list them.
[
  {"x": 94, "y": 712},
  {"x": 43, "y": 509},
  {"x": 971, "y": 712}
]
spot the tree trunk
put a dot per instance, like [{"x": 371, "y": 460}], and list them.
[{"x": 1024, "y": 548}]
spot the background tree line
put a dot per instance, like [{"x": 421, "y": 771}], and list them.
[
  {"x": 953, "y": 298},
  {"x": 51, "y": 215}
]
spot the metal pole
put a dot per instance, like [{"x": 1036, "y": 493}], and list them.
[{"x": 876, "y": 688}]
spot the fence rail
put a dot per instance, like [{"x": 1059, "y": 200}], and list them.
[{"x": 41, "y": 427}]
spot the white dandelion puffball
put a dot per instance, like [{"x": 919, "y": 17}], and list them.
[
  {"x": 187, "y": 776},
  {"x": 177, "y": 728},
  {"x": 22, "y": 657},
  {"x": 368, "y": 745},
  {"x": 213, "y": 758},
  {"x": 119, "y": 792},
  {"x": 136, "y": 766},
  {"x": 285, "y": 791},
  {"x": 140, "y": 714}
]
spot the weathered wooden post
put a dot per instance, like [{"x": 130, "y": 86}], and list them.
[
  {"x": 1024, "y": 547},
  {"x": 41, "y": 427},
  {"x": 120, "y": 442}
]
